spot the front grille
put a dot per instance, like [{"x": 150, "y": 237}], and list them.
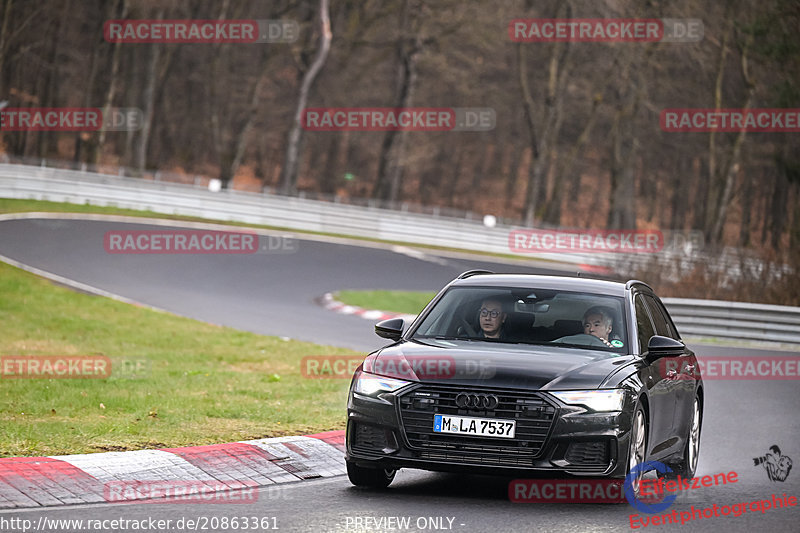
[
  {"x": 533, "y": 414},
  {"x": 588, "y": 453}
]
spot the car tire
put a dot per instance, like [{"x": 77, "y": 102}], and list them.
[
  {"x": 687, "y": 467},
  {"x": 376, "y": 478},
  {"x": 637, "y": 452}
]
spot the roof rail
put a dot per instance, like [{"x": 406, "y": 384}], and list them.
[
  {"x": 632, "y": 282},
  {"x": 475, "y": 272}
]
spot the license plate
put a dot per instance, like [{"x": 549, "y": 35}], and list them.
[{"x": 481, "y": 427}]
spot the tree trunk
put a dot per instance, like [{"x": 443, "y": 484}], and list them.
[
  {"x": 52, "y": 79},
  {"x": 87, "y": 102},
  {"x": 229, "y": 166},
  {"x": 631, "y": 89},
  {"x": 621, "y": 213},
  {"x": 679, "y": 195},
  {"x": 513, "y": 174},
  {"x": 543, "y": 149},
  {"x": 330, "y": 175},
  {"x": 4, "y": 37},
  {"x": 452, "y": 188},
  {"x": 480, "y": 171},
  {"x": 747, "y": 205},
  {"x": 391, "y": 160},
  {"x": 112, "y": 84},
  {"x": 289, "y": 173},
  {"x": 149, "y": 105},
  {"x": 564, "y": 170},
  {"x": 733, "y": 163}
]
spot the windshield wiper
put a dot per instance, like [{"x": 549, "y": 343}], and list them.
[
  {"x": 583, "y": 346},
  {"x": 531, "y": 343},
  {"x": 445, "y": 338}
]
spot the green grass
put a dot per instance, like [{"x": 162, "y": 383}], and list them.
[
  {"x": 186, "y": 383},
  {"x": 410, "y": 302}
]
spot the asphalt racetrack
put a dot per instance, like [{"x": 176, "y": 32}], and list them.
[{"x": 275, "y": 294}]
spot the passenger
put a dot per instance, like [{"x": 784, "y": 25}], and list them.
[
  {"x": 598, "y": 321},
  {"x": 492, "y": 318}
]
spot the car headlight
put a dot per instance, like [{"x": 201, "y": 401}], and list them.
[
  {"x": 372, "y": 385},
  {"x": 596, "y": 400}
]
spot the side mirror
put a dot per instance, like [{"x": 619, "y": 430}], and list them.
[
  {"x": 391, "y": 329},
  {"x": 659, "y": 346}
]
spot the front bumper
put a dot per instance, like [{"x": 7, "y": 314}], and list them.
[{"x": 395, "y": 430}]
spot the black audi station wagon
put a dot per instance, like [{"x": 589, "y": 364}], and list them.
[{"x": 513, "y": 374}]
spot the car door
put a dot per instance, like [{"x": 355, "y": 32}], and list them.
[
  {"x": 680, "y": 368},
  {"x": 659, "y": 388}
]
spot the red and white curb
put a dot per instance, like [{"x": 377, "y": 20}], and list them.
[
  {"x": 76, "y": 479},
  {"x": 330, "y": 303}
]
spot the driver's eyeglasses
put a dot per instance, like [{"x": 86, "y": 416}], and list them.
[{"x": 485, "y": 312}]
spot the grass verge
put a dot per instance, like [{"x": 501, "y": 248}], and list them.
[
  {"x": 410, "y": 302},
  {"x": 175, "y": 381}
]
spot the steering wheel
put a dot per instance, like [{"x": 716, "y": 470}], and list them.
[
  {"x": 467, "y": 327},
  {"x": 582, "y": 338}
]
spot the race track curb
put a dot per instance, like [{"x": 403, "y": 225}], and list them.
[
  {"x": 331, "y": 304},
  {"x": 223, "y": 471}
]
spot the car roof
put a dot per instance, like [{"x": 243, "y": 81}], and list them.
[{"x": 536, "y": 281}]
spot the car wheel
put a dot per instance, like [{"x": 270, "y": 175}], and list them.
[
  {"x": 638, "y": 448},
  {"x": 377, "y": 478},
  {"x": 688, "y": 464}
]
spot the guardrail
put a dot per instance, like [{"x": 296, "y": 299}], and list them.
[
  {"x": 733, "y": 320},
  {"x": 61, "y": 185},
  {"x": 706, "y": 318}
]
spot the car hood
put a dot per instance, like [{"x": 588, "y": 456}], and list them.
[{"x": 497, "y": 365}]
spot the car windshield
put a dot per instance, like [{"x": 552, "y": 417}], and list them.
[{"x": 527, "y": 316}]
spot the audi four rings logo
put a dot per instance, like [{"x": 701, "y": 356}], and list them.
[{"x": 476, "y": 401}]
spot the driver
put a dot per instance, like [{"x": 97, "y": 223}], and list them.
[
  {"x": 492, "y": 318},
  {"x": 598, "y": 322}
]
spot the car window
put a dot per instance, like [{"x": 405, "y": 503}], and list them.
[
  {"x": 672, "y": 329},
  {"x": 663, "y": 323},
  {"x": 644, "y": 326},
  {"x": 526, "y": 316},
  {"x": 658, "y": 318}
]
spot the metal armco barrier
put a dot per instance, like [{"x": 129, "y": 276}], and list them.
[
  {"x": 59, "y": 185},
  {"x": 733, "y": 320},
  {"x": 706, "y": 318}
]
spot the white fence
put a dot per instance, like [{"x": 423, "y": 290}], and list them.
[
  {"x": 43, "y": 183},
  {"x": 693, "y": 317},
  {"x": 744, "y": 321}
]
